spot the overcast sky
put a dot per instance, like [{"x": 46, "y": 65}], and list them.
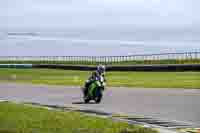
[
  {"x": 99, "y": 13},
  {"x": 117, "y": 20}
]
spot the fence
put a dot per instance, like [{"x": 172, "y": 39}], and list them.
[{"x": 103, "y": 59}]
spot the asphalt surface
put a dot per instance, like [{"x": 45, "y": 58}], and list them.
[{"x": 171, "y": 104}]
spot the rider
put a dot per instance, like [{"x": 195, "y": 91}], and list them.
[{"x": 97, "y": 75}]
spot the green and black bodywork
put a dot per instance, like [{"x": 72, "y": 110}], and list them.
[{"x": 94, "y": 91}]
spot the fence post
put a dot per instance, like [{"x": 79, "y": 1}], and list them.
[
  {"x": 196, "y": 55},
  {"x": 65, "y": 59},
  {"x": 113, "y": 60},
  {"x": 47, "y": 59},
  {"x": 87, "y": 60},
  {"x": 107, "y": 60},
  {"x": 185, "y": 56},
  {"x": 93, "y": 60},
  {"x": 96, "y": 59},
  {"x": 191, "y": 56},
  {"x": 77, "y": 60},
  {"x": 70, "y": 59},
  {"x": 74, "y": 59},
  {"x": 83, "y": 60}
]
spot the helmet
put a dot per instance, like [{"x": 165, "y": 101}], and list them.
[{"x": 101, "y": 69}]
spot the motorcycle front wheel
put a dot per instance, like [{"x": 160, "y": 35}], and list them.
[{"x": 99, "y": 97}]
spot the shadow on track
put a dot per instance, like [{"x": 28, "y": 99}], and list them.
[{"x": 83, "y": 102}]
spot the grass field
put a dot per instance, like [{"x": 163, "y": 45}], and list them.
[
  {"x": 191, "y": 61},
  {"x": 118, "y": 79},
  {"x": 17, "y": 118}
]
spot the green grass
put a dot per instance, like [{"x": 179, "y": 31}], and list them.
[
  {"x": 18, "y": 118},
  {"x": 118, "y": 79},
  {"x": 189, "y": 61}
]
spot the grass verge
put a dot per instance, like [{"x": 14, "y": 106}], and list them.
[
  {"x": 117, "y": 79},
  {"x": 17, "y": 118}
]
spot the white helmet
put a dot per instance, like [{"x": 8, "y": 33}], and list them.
[{"x": 101, "y": 69}]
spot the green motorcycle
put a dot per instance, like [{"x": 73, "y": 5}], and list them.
[{"x": 94, "y": 92}]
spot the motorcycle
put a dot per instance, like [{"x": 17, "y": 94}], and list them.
[{"x": 94, "y": 91}]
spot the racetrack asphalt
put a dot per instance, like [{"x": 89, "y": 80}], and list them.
[{"x": 171, "y": 104}]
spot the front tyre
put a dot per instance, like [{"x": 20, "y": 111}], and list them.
[{"x": 98, "y": 98}]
